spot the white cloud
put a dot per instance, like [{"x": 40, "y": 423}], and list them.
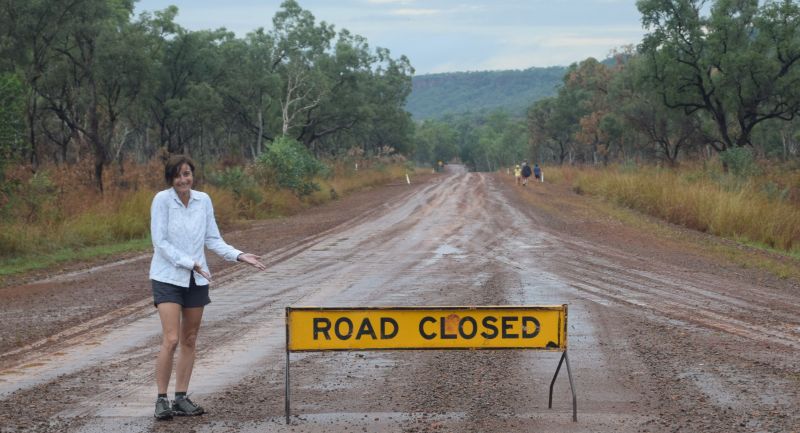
[
  {"x": 445, "y": 67},
  {"x": 575, "y": 41},
  {"x": 448, "y": 35},
  {"x": 414, "y": 12}
]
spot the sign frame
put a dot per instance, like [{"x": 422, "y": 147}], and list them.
[{"x": 561, "y": 345}]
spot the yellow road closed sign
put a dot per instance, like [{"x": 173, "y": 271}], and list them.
[{"x": 542, "y": 327}]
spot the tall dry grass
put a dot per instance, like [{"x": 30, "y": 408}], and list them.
[
  {"x": 59, "y": 208},
  {"x": 762, "y": 210},
  {"x": 345, "y": 178}
]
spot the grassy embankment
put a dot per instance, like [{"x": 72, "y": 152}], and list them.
[
  {"x": 761, "y": 211},
  {"x": 57, "y": 216}
]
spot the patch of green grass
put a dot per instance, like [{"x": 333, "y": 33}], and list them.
[{"x": 33, "y": 262}]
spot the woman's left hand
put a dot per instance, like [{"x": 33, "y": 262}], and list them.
[{"x": 252, "y": 259}]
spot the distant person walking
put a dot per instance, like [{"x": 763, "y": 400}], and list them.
[
  {"x": 518, "y": 174},
  {"x": 526, "y": 173},
  {"x": 182, "y": 224},
  {"x": 537, "y": 172}
]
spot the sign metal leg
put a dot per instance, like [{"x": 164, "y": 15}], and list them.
[
  {"x": 286, "y": 395},
  {"x": 564, "y": 357},
  {"x": 572, "y": 388}
]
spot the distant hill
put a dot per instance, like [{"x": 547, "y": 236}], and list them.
[{"x": 435, "y": 95}]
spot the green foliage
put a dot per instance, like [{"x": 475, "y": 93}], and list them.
[
  {"x": 291, "y": 166},
  {"x": 740, "y": 162},
  {"x": 12, "y": 119},
  {"x": 33, "y": 200},
  {"x": 775, "y": 192},
  {"x": 733, "y": 67},
  {"x": 435, "y": 141},
  {"x": 437, "y": 95},
  {"x": 238, "y": 181},
  {"x": 98, "y": 82}
]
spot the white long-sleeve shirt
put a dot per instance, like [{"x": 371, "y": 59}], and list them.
[{"x": 179, "y": 234}]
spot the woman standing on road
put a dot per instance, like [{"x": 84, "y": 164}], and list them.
[{"x": 182, "y": 223}]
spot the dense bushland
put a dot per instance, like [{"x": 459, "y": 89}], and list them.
[{"x": 86, "y": 80}]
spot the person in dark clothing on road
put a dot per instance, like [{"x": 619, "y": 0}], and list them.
[
  {"x": 526, "y": 173},
  {"x": 537, "y": 172}
]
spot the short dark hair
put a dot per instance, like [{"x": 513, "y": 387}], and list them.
[{"x": 174, "y": 164}]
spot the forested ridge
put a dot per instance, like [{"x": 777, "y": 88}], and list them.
[
  {"x": 708, "y": 80},
  {"x": 436, "y": 95}
]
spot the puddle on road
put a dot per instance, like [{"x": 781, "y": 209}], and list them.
[
  {"x": 722, "y": 394},
  {"x": 445, "y": 250}
]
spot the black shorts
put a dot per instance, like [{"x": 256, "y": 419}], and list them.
[{"x": 188, "y": 297}]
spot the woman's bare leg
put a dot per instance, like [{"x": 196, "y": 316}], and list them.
[
  {"x": 170, "y": 314},
  {"x": 190, "y": 325}
]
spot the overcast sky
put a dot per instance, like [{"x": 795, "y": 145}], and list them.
[{"x": 446, "y": 35}]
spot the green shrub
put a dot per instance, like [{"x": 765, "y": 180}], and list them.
[
  {"x": 33, "y": 201},
  {"x": 740, "y": 162},
  {"x": 289, "y": 164},
  {"x": 236, "y": 180}
]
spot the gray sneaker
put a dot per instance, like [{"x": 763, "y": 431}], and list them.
[
  {"x": 163, "y": 411},
  {"x": 182, "y": 406}
]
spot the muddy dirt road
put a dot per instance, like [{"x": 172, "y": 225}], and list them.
[{"x": 662, "y": 338}]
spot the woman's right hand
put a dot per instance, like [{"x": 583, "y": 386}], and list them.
[{"x": 199, "y": 269}]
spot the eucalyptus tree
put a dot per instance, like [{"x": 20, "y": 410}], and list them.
[
  {"x": 734, "y": 67},
  {"x": 250, "y": 87},
  {"x": 77, "y": 82},
  {"x": 501, "y": 141},
  {"x": 334, "y": 92},
  {"x": 387, "y": 124},
  {"x": 300, "y": 46},
  {"x": 435, "y": 141},
  {"x": 345, "y": 74},
  {"x": 365, "y": 106},
  {"x": 189, "y": 70},
  {"x": 31, "y": 29},
  {"x": 552, "y": 125},
  {"x": 12, "y": 118},
  {"x": 587, "y": 83},
  {"x": 666, "y": 133}
]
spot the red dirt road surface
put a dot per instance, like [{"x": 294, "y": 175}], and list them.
[{"x": 663, "y": 336}]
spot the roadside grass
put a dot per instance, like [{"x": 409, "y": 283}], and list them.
[
  {"x": 345, "y": 179},
  {"x": 56, "y": 216},
  {"x": 27, "y": 263},
  {"x": 746, "y": 211}
]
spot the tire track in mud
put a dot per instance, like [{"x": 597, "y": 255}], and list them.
[
  {"x": 718, "y": 350},
  {"x": 680, "y": 299}
]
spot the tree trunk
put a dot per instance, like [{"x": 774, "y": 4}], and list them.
[
  {"x": 32, "y": 108},
  {"x": 260, "y": 133},
  {"x": 100, "y": 151}
]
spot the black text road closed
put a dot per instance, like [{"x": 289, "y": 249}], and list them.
[{"x": 530, "y": 327}]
